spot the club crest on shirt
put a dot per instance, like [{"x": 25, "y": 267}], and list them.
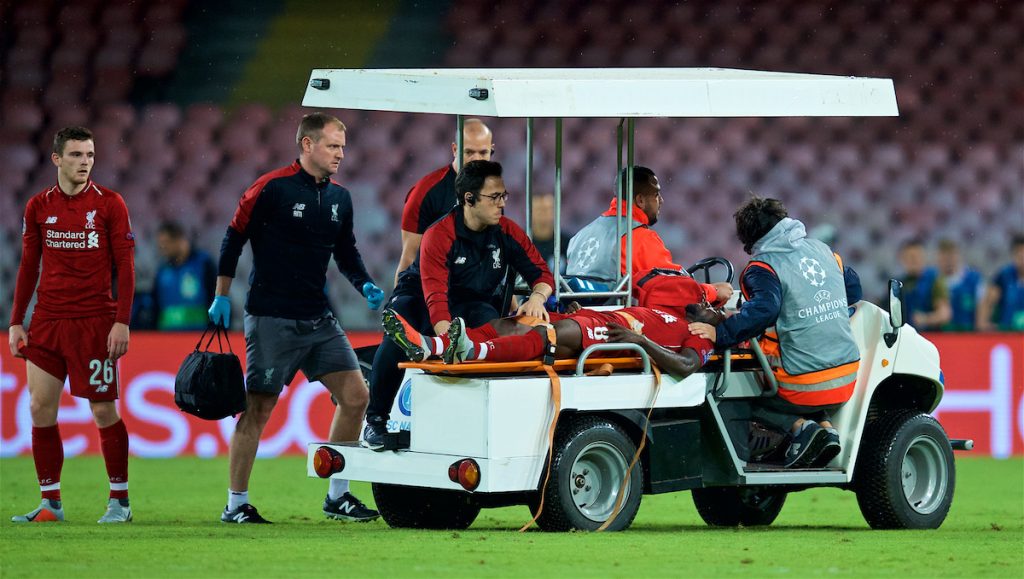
[
  {"x": 90, "y": 219},
  {"x": 496, "y": 256},
  {"x": 334, "y": 212}
]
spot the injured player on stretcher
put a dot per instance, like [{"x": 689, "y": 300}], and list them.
[{"x": 668, "y": 302}]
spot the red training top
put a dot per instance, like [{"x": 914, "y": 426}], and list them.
[{"x": 79, "y": 240}]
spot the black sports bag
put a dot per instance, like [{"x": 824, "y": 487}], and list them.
[{"x": 210, "y": 385}]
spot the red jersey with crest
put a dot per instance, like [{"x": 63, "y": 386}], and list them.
[
  {"x": 666, "y": 329},
  {"x": 78, "y": 240}
]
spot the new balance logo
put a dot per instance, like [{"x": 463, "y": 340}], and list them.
[
  {"x": 460, "y": 260},
  {"x": 347, "y": 507},
  {"x": 51, "y": 220},
  {"x": 240, "y": 518}
]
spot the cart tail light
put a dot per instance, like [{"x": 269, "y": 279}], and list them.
[
  {"x": 327, "y": 461},
  {"x": 466, "y": 472}
]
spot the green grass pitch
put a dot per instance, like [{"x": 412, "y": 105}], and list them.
[{"x": 177, "y": 532}]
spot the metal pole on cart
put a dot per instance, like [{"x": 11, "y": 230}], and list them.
[
  {"x": 558, "y": 199},
  {"x": 619, "y": 184},
  {"x": 459, "y": 125},
  {"x": 627, "y": 279},
  {"x": 529, "y": 180}
]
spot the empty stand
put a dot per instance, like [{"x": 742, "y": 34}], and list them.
[{"x": 952, "y": 165}]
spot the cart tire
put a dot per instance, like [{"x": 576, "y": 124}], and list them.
[
  {"x": 736, "y": 506},
  {"x": 590, "y": 459},
  {"x": 905, "y": 474},
  {"x": 422, "y": 508}
]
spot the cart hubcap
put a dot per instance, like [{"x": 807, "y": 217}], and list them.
[
  {"x": 924, "y": 475},
  {"x": 596, "y": 476}
]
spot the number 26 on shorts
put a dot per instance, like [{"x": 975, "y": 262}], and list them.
[{"x": 102, "y": 374}]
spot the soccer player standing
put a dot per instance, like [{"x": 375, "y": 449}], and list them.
[
  {"x": 296, "y": 218},
  {"x": 78, "y": 232}
]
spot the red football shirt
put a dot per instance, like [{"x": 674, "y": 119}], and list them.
[
  {"x": 78, "y": 240},
  {"x": 663, "y": 328}
]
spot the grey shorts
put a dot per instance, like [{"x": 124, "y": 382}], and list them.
[{"x": 277, "y": 348}]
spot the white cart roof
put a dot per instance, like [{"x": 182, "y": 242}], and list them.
[{"x": 603, "y": 92}]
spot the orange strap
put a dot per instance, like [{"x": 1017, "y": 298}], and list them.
[
  {"x": 485, "y": 367},
  {"x": 631, "y": 322},
  {"x": 636, "y": 456},
  {"x": 556, "y": 403}
]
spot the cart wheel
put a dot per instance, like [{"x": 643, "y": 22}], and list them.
[
  {"x": 734, "y": 506},
  {"x": 589, "y": 464},
  {"x": 422, "y": 508},
  {"x": 905, "y": 473}
]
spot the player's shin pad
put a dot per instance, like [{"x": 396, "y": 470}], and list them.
[{"x": 551, "y": 337}]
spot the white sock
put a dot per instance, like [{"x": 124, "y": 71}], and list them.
[
  {"x": 237, "y": 499},
  {"x": 336, "y": 488},
  {"x": 438, "y": 345},
  {"x": 480, "y": 351}
]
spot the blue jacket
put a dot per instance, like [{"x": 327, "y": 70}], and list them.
[
  {"x": 182, "y": 293},
  {"x": 963, "y": 297},
  {"x": 918, "y": 293}
]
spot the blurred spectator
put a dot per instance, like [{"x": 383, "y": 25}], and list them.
[
  {"x": 924, "y": 291},
  {"x": 542, "y": 229},
  {"x": 1003, "y": 305},
  {"x": 825, "y": 233},
  {"x": 965, "y": 286},
  {"x": 184, "y": 282}
]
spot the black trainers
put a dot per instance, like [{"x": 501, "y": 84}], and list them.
[
  {"x": 808, "y": 446},
  {"x": 348, "y": 508},
  {"x": 243, "y": 514},
  {"x": 373, "y": 435},
  {"x": 830, "y": 451}
]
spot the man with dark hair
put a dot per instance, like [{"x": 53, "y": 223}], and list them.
[
  {"x": 925, "y": 294},
  {"x": 590, "y": 250},
  {"x": 799, "y": 287},
  {"x": 433, "y": 196},
  {"x": 184, "y": 283},
  {"x": 542, "y": 225},
  {"x": 74, "y": 234},
  {"x": 296, "y": 218},
  {"x": 464, "y": 259},
  {"x": 965, "y": 286},
  {"x": 1003, "y": 305}
]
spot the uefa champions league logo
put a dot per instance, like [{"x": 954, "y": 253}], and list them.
[
  {"x": 588, "y": 254},
  {"x": 812, "y": 271}
]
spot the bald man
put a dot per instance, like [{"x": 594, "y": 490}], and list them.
[{"x": 433, "y": 196}]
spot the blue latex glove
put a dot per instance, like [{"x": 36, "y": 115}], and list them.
[
  {"x": 220, "y": 311},
  {"x": 374, "y": 295}
]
